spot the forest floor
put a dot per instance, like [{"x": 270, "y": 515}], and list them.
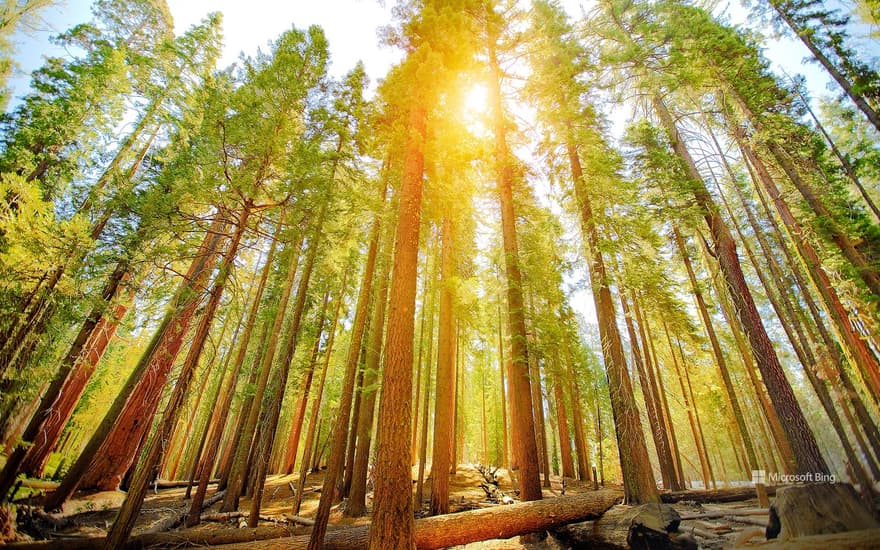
[{"x": 713, "y": 525}]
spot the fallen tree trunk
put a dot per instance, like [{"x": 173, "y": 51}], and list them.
[
  {"x": 500, "y": 522},
  {"x": 175, "y": 520},
  {"x": 624, "y": 527},
  {"x": 39, "y": 484},
  {"x": 719, "y": 495},
  {"x": 176, "y": 484},
  {"x": 865, "y": 539},
  {"x": 173, "y": 539}
]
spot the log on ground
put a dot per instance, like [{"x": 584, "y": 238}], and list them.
[
  {"x": 646, "y": 526},
  {"x": 197, "y": 537},
  {"x": 733, "y": 494},
  {"x": 500, "y": 522}
]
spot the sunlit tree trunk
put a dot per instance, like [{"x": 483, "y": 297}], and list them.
[
  {"x": 655, "y": 419},
  {"x": 525, "y": 446},
  {"x": 310, "y": 446},
  {"x": 392, "y": 525},
  {"x": 429, "y": 361},
  {"x": 147, "y": 469},
  {"x": 155, "y": 361},
  {"x": 800, "y": 436},
  {"x": 444, "y": 406},
  {"x": 248, "y": 425}
]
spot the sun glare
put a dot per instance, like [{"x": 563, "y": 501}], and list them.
[{"x": 475, "y": 100}]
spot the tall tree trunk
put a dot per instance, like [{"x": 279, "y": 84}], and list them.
[
  {"x": 655, "y": 419},
  {"x": 270, "y": 410},
  {"x": 146, "y": 471},
  {"x": 805, "y": 36},
  {"x": 540, "y": 427},
  {"x": 310, "y": 447},
  {"x": 302, "y": 402},
  {"x": 357, "y": 500},
  {"x": 248, "y": 426},
  {"x": 800, "y": 437},
  {"x": 392, "y": 525},
  {"x": 638, "y": 479},
  {"x": 827, "y": 220},
  {"x": 854, "y": 345},
  {"x": 525, "y": 448},
  {"x": 444, "y": 408},
  {"x": 432, "y": 276},
  {"x": 690, "y": 406},
  {"x": 655, "y": 378},
  {"x": 339, "y": 431},
  {"x": 562, "y": 422},
  {"x": 165, "y": 343},
  {"x": 505, "y": 443}
]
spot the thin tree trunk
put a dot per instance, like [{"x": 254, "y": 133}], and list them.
[
  {"x": 339, "y": 431},
  {"x": 847, "y": 166},
  {"x": 562, "y": 423},
  {"x": 429, "y": 359},
  {"x": 307, "y": 460},
  {"x": 655, "y": 378},
  {"x": 858, "y": 350},
  {"x": 690, "y": 407},
  {"x": 270, "y": 410},
  {"x": 165, "y": 343},
  {"x": 242, "y": 449},
  {"x": 504, "y": 433},
  {"x": 525, "y": 448},
  {"x": 302, "y": 402},
  {"x": 444, "y": 406},
  {"x": 805, "y": 37},
  {"x": 357, "y": 500},
  {"x": 656, "y": 421},
  {"x": 800, "y": 437}
]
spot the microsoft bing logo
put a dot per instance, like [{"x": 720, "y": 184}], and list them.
[{"x": 760, "y": 477}]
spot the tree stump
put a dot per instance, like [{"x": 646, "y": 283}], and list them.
[{"x": 817, "y": 509}]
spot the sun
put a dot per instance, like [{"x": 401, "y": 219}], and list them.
[{"x": 476, "y": 99}]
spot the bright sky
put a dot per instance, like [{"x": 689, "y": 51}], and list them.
[{"x": 351, "y": 27}]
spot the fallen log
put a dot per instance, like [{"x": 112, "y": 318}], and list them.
[
  {"x": 299, "y": 519},
  {"x": 175, "y": 484},
  {"x": 622, "y": 527},
  {"x": 39, "y": 484},
  {"x": 490, "y": 486},
  {"x": 175, "y": 520},
  {"x": 865, "y": 539},
  {"x": 718, "y": 495},
  {"x": 226, "y": 517},
  {"x": 173, "y": 539},
  {"x": 500, "y": 522},
  {"x": 436, "y": 532},
  {"x": 818, "y": 509}
]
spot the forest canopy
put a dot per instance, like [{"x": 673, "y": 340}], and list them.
[{"x": 615, "y": 246}]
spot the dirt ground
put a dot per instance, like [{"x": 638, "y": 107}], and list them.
[{"x": 92, "y": 515}]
